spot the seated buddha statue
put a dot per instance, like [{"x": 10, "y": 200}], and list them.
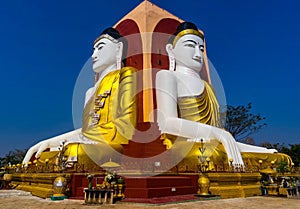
[
  {"x": 188, "y": 111},
  {"x": 109, "y": 115}
]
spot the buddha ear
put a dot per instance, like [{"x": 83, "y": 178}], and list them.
[
  {"x": 169, "y": 49},
  {"x": 119, "y": 55}
]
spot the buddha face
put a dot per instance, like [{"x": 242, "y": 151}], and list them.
[
  {"x": 104, "y": 55},
  {"x": 188, "y": 52}
]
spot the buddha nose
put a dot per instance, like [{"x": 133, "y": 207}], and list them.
[
  {"x": 198, "y": 54},
  {"x": 94, "y": 56}
]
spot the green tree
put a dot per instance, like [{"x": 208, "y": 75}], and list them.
[
  {"x": 267, "y": 145},
  {"x": 282, "y": 167},
  {"x": 240, "y": 122},
  {"x": 2, "y": 161},
  {"x": 13, "y": 157},
  {"x": 294, "y": 152},
  {"x": 248, "y": 140}
]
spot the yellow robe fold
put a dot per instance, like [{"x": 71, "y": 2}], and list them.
[
  {"x": 110, "y": 114},
  {"x": 109, "y": 118},
  {"x": 205, "y": 109}
]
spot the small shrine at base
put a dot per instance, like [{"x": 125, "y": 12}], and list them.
[{"x": 146, "y": 168}]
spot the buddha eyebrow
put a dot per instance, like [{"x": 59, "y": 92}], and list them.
[
  {"x": 100, "y": 44},
  {"x": 190, "y": 41}
]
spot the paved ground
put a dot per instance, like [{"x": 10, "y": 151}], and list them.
[{"x": 12, "y": 199}]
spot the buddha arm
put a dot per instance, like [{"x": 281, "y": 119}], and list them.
[
  {"x": 170, "y": 123},
  {"x": 54, "y": 143},
  {"x": 168, "y": 119}
]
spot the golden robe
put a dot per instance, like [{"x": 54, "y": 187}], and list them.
[
  {"x": 205, "y": 109},
  {"x": 110, "y": 114},
  {"x": 109, "y": 118}
]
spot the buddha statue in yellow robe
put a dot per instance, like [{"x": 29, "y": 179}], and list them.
[
  {"x": 109, "y": 115},
  {"x": 188, "y": 110}
]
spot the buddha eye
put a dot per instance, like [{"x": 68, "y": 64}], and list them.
[
  {"x": 100, "y": 45},
  {"x": 190, "y": 45}
]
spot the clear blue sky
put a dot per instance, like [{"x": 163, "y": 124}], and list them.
[{"x": 254, "y": 45}]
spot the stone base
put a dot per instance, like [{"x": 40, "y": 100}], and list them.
[
  {"x": 225, "y": 185},
  {"x": 157, "y": 186},
  {"x": 39, "y": 184},
  {"x": 232, "y": 185},
  {"x": 42, "y": 191}
]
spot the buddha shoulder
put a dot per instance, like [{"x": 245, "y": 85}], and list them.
[
  {"x": 165, "y": 74},
  {"x": 125, "y": 71}
]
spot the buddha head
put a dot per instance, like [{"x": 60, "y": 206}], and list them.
[
  {"x": 109, "y": 49},
  {"x": 185, "y": 48}
]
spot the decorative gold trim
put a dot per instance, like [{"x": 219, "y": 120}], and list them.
[{"x": 187, "y": 31}]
